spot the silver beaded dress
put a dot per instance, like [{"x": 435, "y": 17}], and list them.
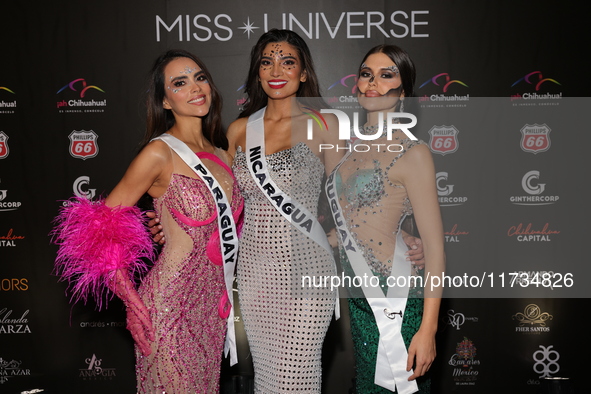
[{"x": 285, "y": 331}]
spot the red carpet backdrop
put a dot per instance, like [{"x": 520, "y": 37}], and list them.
[{"x": 501, "y": 88}]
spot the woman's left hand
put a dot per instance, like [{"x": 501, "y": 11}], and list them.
[
  {"x": 415, "y": 252},
  {"x": 421, "y": 353}
]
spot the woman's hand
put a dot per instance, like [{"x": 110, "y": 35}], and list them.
[
  {"x": 155, "y": 228},
  {"x": 332, "y": 237},
  {"x": 415, "y": 253},
  {"x": 421, "y": 353}
]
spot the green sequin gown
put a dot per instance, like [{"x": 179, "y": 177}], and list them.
[{"x": 374, "y": 202}]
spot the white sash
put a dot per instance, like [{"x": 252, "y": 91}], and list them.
[
  {"x": 289, "y": 208},
  {"x": 226, "y": 228},
  {"x": 388, "y": 311}
]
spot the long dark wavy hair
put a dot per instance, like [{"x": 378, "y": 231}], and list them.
[
  {"x": 256, "y": 96},
  {"x": 406, "y": 66},
  {"x": 160, "y": 120}
]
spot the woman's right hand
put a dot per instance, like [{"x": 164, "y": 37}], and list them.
[{"x": 155, "y": 228}]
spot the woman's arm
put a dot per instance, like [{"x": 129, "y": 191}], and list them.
[
  {"x": 419, "y": 180},
  {"x": 236, "y": 135},
  {"x": 148, "y": 172}
]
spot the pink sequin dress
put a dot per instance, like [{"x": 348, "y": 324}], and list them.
[{"x": 183, "y": 289}]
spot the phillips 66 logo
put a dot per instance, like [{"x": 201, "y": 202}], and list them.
[
  {"x": 444, "y": 139},
  {"x": 83, "y": 144},
  {"x": 535, "y": 138},
  {"x": 3, "y": 145}
]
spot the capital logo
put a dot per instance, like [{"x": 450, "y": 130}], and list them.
[
  {"x": 530, "y": 185},
  {"x": 532, "y": 315},
  {"x": 546, "y": 361},
  {"x": 344, "y": 82},
  {"x": 535, "y": 79},
  {"x": 443, "y": 80},
  {"x": 10, "y": 238},
  {"x": 3, "y": 145},
  {"x": 535, "y": 138},
  {"x": 79, "y": 85},
  {"x": 81, "y": 189},
  {"x": 444, "y": 139},
  {"x": 454, "y": 235},
  {"x": 83, "y": 144}
]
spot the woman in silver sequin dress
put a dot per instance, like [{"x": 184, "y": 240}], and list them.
[{"x": 285, "y": 330}]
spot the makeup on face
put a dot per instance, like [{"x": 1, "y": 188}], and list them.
[
  {"x": 181, "y": 80},
  {"x": 280, "y": 68}
]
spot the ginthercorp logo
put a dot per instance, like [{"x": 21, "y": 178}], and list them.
[
  {"x": 444, "y": 139},
  {"x": 445, "y": 190},
  {"x": 82, "y": 104},
  {"x": 313, "y": 25},
  {"x": 81, "y": 189},
  {"x": 532, "y": 320},
  {"x": 3, "y": 145},
  {"x": 529, "y": 232},
  {"x": 7, "y": 104},
  {"x": 83, "y": 144},
  {"x": 11, "y": 369},
  {"x": 534, "y": 81},
  {"x": 443, "y": 81},
  {"x": 345, "y": 130},
  {"x": 546, "y": 361},
  {"x": 95, "y": 370},
  {"x": 535, "y": 138},
  {"x": 7, "y": 205},
  {"x": 465, "y": 363},
  {"x": 530, "y": 183}
]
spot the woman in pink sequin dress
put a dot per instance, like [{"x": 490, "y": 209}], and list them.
[
  {"x": 183, "y": 290},
  {"x": 178, "y": 314}
]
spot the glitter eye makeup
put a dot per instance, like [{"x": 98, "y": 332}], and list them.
[
  {"x": 188, "y": 70},
  {"x": 393, "y": 68}
]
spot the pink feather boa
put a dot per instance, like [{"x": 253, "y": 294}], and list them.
[{"x": 96, "y": 240}]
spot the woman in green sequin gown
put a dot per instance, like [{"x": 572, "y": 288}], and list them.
[{"x": 377, "y": 190}]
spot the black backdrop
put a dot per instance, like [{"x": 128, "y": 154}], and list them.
[{"x": 505, "y": 75}]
